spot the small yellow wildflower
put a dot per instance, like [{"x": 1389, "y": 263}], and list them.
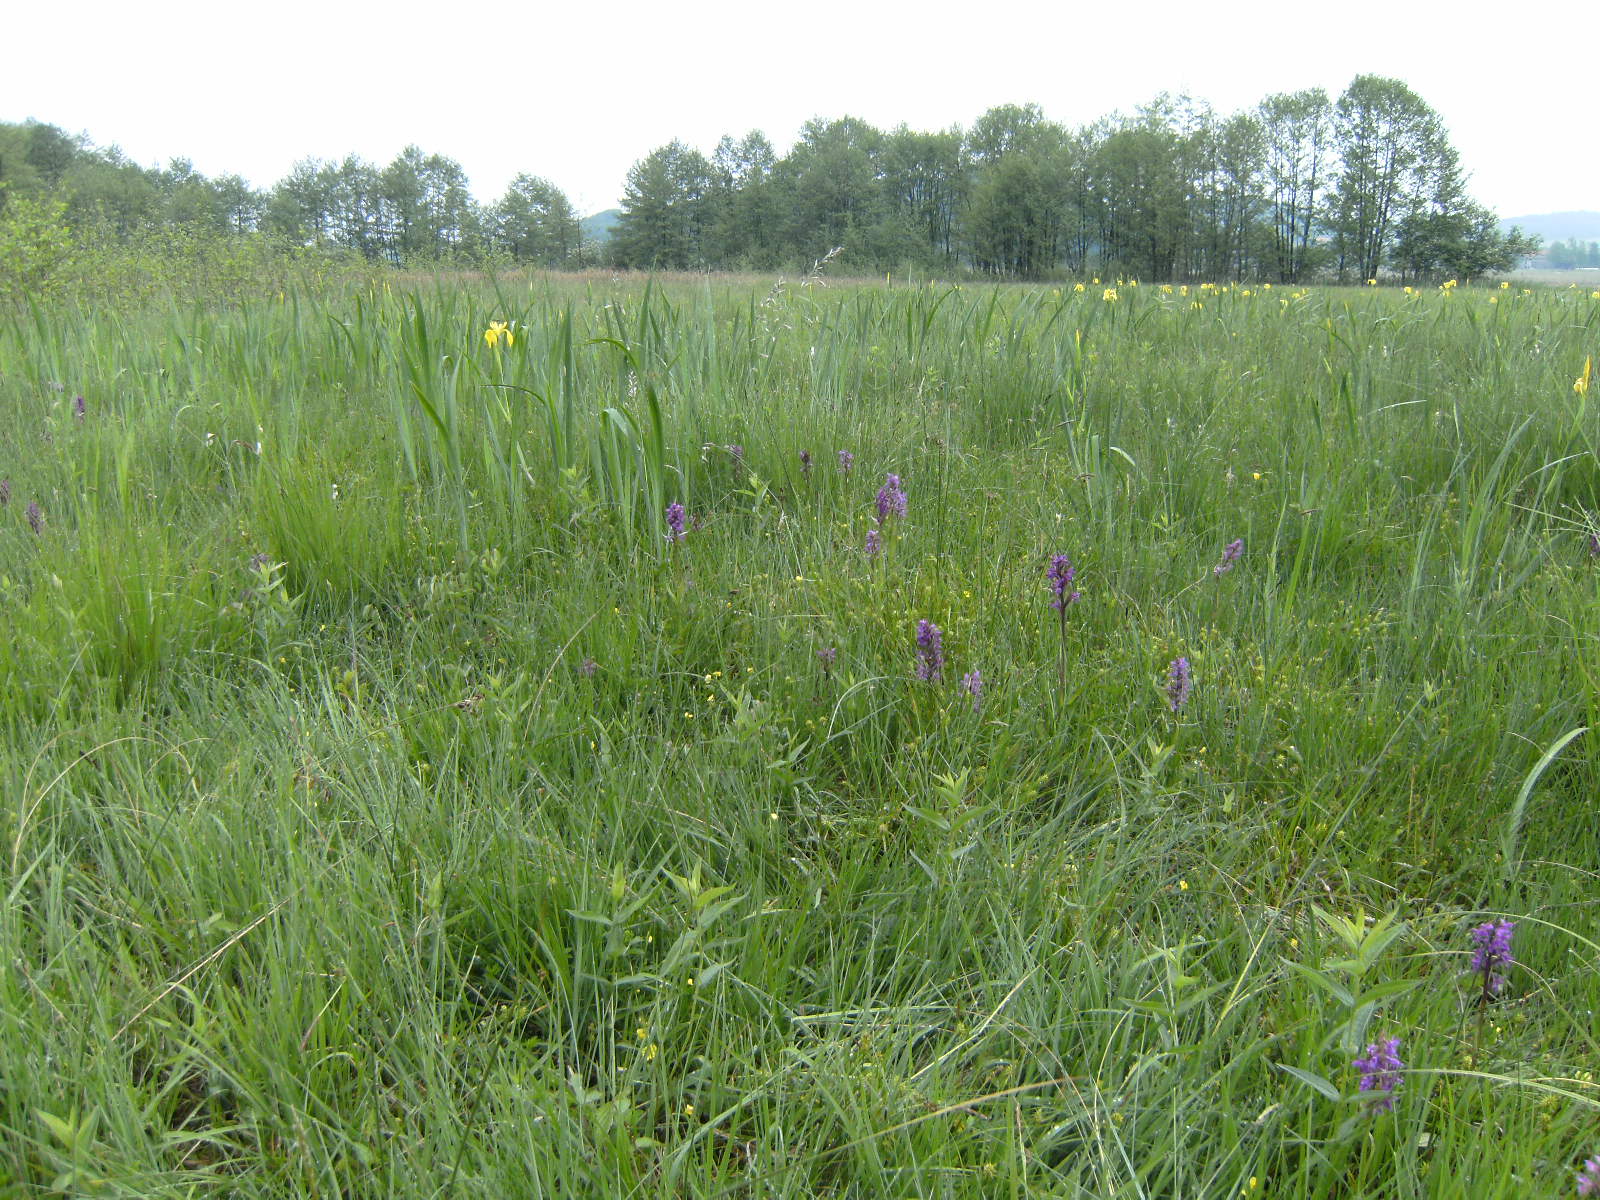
[
  {"x": 1077, "y": 287},
  {"x": 1581, "y": 383},
  {"x": 1109, "y": 295},
  {"x": 1504, "y": 284},
  {"x": 497, "y": 333}
]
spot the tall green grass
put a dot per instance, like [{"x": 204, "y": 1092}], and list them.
[{"x": 392, "y": 809}]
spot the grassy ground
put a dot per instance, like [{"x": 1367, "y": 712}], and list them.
[{"x": 392, "y": 806}]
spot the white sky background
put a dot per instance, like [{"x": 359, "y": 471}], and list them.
[{"x": 578, "y": 93}]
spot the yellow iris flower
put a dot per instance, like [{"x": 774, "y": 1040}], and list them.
[{"x": 497, "y": 333}]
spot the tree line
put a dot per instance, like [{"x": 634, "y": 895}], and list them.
[
  {"x": 1564, "y": 256},
  {"x": 1303, "y": 185},
  {"x": 418, "y": 208}
]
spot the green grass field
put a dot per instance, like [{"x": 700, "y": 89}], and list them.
[{"x": 394, "y": 807}]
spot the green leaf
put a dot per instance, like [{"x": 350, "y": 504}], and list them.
[
  {"x": 1316, "y": 978},
  {"x": 1312, "y": 1080},
  {"x": 1519, "y": 807}
]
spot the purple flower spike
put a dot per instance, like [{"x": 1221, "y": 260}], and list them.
[
  {"x": 805, "y": 463},
  {"x": 79, "y": 409},
  {"x": 874, "y": 543},
  {"x": 5, "y": 492},
  {"x": 1594, "y": 545},
  {"x": 35, "y": 517},
  {"x": 1061, "y": 575},
  {"x": 588, "y": 667},
  {"x": 846, "y": 461},
  {"x": 972, "y": 685},
  {"x": 891, "y": 499},
  {"x": 1230, "y": 555},
  {"x": 930, "y": 651},
  {"x": 1589, "y": 1178},
  {"x": 675, "y": 522},
  {"x": 1492, "y": 940},
  {"x": 1179, "y": 683},
  {"x": 827, "y": 656},
  {"x": 1380, "y": 1072}
]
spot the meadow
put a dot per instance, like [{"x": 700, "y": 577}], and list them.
[{"x": 512, "y": 737}]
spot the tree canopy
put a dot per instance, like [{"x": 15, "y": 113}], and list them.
[{"x": 1356, "y": 186}]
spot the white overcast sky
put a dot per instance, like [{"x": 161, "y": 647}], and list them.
[{"x": 577, "y": 93}]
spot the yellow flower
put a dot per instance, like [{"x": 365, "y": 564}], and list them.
[
  {"x": 1077, "y": 287},
  {"x": 1372, "y": 283},
  {"x": 497, "y": 333},
  {"x": 1109, "y": 295},
  {"x": 1581, "y": 383},
  {"x": 1504, "y": 284}
]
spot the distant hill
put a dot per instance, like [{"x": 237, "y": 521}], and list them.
[
  {"x": 598, "y": 227},
  {"x": 1558, "y": 227}
]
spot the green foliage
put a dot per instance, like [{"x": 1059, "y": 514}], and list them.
[{"x": 37, "y": 248}]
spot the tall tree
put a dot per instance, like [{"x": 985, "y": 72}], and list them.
[
  {"x": 1297, "y": 130},
  {"x": 301, "y": 207},
  {"x": 1142, "y": 181},
  {"x": 534, "y": 222},
  {"x": 924, "y": 182},
  {"x": 664, "y": 220},
  {"x": 1445, "y": 233},
  {"x": 51, "y": 151},
  {"x": 428, "y": 210},
  {"x": 743, "y": 206},
  {"x": 832, "y": 176},
  {"x": 1020, "y": 164},
  {"x": 1388, "y": 140}
]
